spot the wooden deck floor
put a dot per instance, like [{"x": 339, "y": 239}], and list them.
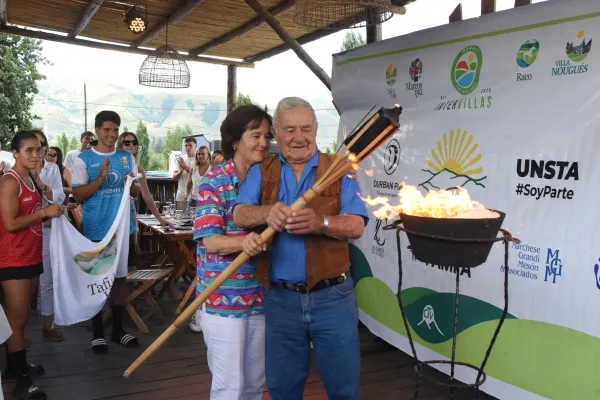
[{"x": 180, "y": 371}]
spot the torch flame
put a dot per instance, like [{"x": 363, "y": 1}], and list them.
[
  {"x": 352, "y": 157},
  {"x": 369, "y": 172},
  {"x": 435, "y": 204}
]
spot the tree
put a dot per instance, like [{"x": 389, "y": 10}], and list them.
[
  {"x": 352, "y": 40},
  {"x": 242, "y": 100},
  {"x": 63, "y": 143},
  {"x": 19, "y": 58},
  {"x": 332, "y": 149},
  {"x": 141, "y": 132},
  {"x": 74, "y": 144},
  {"x": 157, "y": 145},
  {"x": 174, "y": 141}
]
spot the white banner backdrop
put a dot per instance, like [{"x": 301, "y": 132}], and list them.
[
  {"x": 508, "y": 106},
  {"x": 84, "y": 271}
]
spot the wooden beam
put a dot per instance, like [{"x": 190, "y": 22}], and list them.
[
  {"x": 231, "y": 88},
  {"x": 290, "y": 41},
  {"x": 3, "y": 15},
  {"x": 488, "y": 6},
  {"x": 310, "y": 37},
  {"x": 85, "y": 17},
  {"x": 519, "y": 3},
  {"x": 244, "y": 29},
  {"x": 401, "y": 10},
  {"x": 456, "y": 14},
  {"x": 109, "y": 46},
  {"x": 171, "y": 20}
]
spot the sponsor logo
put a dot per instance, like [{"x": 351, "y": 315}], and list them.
[
  {"x": 597, "y": 274},
  {"x": 378, "y": 249},
  {"x": 391, "y": 157},
  {"x": 415, "y": 72},
  {"x": 547, "y": 170},
  {"x": 554, "y": 266},
  {"x": 390, "y": 78},
  {"x": 464, "y": 75},
  {"x": 125, "y": 161},
  {"x": 466, "y": 69},
  {"x": 576, "y": 51},
  {"x": 528, "y": 53},
  {"x": 113, "y": 178},
  {"x": 454, "y": 162},
  {"x": 99, "y": 261},
  {"x": 447, "y": 268},
  {"x": 429, "y": 318}
]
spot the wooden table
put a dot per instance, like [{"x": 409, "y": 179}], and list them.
[{"x": 180, "y": 249}]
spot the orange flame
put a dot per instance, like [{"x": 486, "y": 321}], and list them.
[
  {"x": 369, "y": 172},
  {"x": 435, "y": 204},
  {"x": 352, "y": 157}
]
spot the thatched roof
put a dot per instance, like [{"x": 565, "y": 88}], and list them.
[{"x": 220, "y": 28}]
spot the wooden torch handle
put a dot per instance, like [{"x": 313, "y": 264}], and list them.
[{"x": 210, "y": 289}]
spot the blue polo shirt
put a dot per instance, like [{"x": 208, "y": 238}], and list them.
[{"x": 288, "y": 257}]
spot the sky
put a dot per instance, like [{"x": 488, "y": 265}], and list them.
[{"x": 272, "y": 79}]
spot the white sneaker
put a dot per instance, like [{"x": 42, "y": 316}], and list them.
[{"x": 195, "y": 324}]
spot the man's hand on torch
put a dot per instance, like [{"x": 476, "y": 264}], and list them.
[
  {"x": 278, "y": 216},
  {"x": 253, "y": 244},
  {"x": 304, "y": 222}
]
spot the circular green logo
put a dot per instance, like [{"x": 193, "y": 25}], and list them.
[
  {"x": 577, "y": 51},
  {"x": 466, "y": 69},
  {"x": 528, "y": 53},
  {"x": 390, "y": 75}
]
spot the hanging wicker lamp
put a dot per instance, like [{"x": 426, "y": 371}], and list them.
[
  {"x": 341, "y": 14},
  {"x": 165, "y": 68}
]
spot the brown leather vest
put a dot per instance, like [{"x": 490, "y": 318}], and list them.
[{"x": 325, "y": 257}]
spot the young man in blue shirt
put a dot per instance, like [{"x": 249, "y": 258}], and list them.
[{"x": 99, "y": 176}]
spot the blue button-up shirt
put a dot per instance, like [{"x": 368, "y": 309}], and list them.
[{"x": 288, "y": 257}]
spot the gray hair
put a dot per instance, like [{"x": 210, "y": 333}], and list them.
[{"x": 292, "y": 102}]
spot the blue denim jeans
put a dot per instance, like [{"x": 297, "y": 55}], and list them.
[{"x": 328, "y": 318}]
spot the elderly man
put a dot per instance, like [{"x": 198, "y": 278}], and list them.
[{"x": 305, "y": 269}]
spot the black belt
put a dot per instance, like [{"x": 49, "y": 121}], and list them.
[{"x": 302, "y": 288}]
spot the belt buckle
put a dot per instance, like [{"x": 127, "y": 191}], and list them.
[{"x": 301, "y": 288}]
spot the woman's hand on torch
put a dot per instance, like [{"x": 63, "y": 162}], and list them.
[
  {"x": 253, "y": 244},
  {"x": 278, "y": 216}
]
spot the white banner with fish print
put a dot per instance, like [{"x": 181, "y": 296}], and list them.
[
  {"x": 507, "y": 107},
  {"x": 83, "y": 271}
]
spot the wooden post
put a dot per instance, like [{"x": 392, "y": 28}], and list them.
[
  {"x": 290, "y": 41},
  {"x": 488, "y": 6},
  {"x": 373, "y": 33},
  {"x": 231, "y": 87},
  {"x": 85, "y": 17},
  {"x": 456, "y": 14},
  {"x": 3, "y": 15},
  {"x": 519, "y": 3}
]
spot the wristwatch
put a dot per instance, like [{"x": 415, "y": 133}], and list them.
[{"x": 325, "y": 225}]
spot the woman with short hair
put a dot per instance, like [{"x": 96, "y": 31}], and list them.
[
  {"x": 21, "y": 216},
  {"x": 232, "y": 318}
]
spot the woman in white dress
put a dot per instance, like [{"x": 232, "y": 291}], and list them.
[{"x": 201, "y": 166}]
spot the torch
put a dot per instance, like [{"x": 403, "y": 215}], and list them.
[{"x": 371, "y": 132}]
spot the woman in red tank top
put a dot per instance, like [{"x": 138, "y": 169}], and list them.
[{"x": 21, "y": 216}]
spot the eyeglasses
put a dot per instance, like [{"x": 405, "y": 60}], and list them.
[
  {"x": 128, "y": 143},
  {"x": 52, "y": 154}
]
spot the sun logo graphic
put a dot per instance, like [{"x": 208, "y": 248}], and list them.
[
  {"x": 579, "y": 50},
  {"x": 454, "y": 162},
  {"x": 390, "y": 75},
  {"x": 416, "y": 70},
  {"x": 528, "y": 53},
  {"x": 466, "y": 69}
]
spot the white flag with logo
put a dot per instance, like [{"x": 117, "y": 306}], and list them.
[{"x": 83, "y": 271}]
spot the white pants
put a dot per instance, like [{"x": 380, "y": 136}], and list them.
[
  {"x": 46, "y": 286},
  {"x": 236, "y": 356}
]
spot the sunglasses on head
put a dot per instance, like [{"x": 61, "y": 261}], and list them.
[
  {"x": 52, "y": 154},
  {"x": 128, "y": 143}
]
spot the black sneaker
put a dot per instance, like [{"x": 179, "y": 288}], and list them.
[{"x": 31, "y": 392}]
